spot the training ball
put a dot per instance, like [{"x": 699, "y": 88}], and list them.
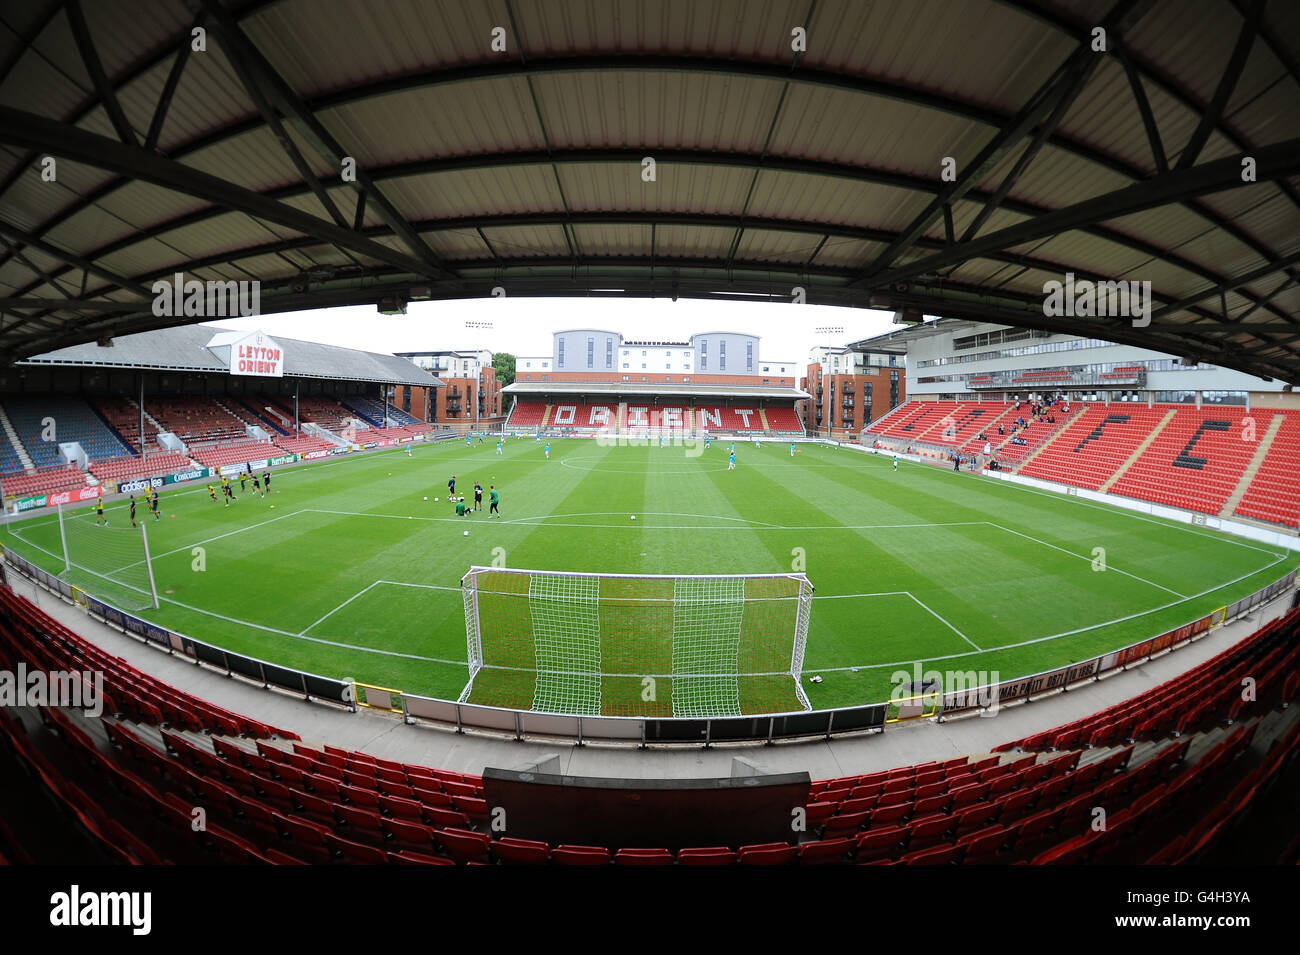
[
  {"x": 272, "y": 507},
  {"x": 426, "y": 497},
  {"x": 467, "y": 533},
  {"x": 633, "y": 517},
  {"x": 816, "y": 679}
]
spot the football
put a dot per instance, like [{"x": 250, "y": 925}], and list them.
[{"x": 467, "y": 533}]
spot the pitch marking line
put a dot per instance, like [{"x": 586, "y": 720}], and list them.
[
  {"x": 942, "y": 621},
  {"x": 359, "y": 593},
  {"x": 1052, "y": 636},
  {"x": 1089, "y": 559}
]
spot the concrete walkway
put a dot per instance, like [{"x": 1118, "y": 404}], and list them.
[{"x": 388, "y": 737}]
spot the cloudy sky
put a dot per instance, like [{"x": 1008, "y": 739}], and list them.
[{"x": 524, "y": 326}]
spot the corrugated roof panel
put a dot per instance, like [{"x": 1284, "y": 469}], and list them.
[
  {"x": 938, "y": 57},
  {"x": 491, "y": 191},
  {"x": 886, "y": 134},
  {"x": 329, "y": 44},
  {"x": 629, "y": 239},
  {"x": 789, "y": 195},
  {"x": 732, "y": 28},
  {"x": 140, "y": 258},
  {"x": 254, "y": 161},
  {"x": 1056, "y": 179},
  {"x": 686, "y": 242},
  {"x": 679, "y": 187},
  {"x": 770, "y": 245},
  {"x": 30, "y": 201},
  {"x": 457, "y": 244},
  {"x": 848, "y": 253},
  {"x": 528, "y": 241},
  {"x": 431, "y": 122},
  {"x": 656, "y": 109}
]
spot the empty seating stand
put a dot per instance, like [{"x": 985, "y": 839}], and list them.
[
  {"x": 527, "y": 414},
  {"x": 1195, "y": 463},
  {"x": 1094, "y": 446},
  {"x": 43, "y": 423},
  {"x": 130, "y": 778},
  {"x": 1274, "y": 492}
]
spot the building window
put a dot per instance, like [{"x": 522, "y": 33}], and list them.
[
  {"x": 591, "y": 351},
  {"x": 722, "y": 360},
  {"x": 643, "y": 366},
  {"x": 559, "y": 356},
  {"x": 609, "y": 353},
  {"x": 749, "y": 356},
  {"x": 624, "y": 364},
  {"x": 625, "y": 376}
]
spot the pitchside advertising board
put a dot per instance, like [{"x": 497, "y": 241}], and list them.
[
  {"x": 139, "y": 484},
  {"x": 230, "y": 470}
]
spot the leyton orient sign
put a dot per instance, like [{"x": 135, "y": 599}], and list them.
[{"x": 257, "y": 354}]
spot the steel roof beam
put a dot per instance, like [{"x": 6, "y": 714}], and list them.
[
  {"x": 95, "y": 70},
  {"x": 1227, "y": 83},
  {"x": 329, "y": 148},
  {"x": 650, "y": 63},
  {"x": 741, "y": 160},
  {"x": 32, "y": 131},
  {"x": 70, "y": 257},
  {"x": 1272, "y": 162}
]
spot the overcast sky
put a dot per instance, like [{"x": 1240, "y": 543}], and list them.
[{"x": 523, "y": 326}]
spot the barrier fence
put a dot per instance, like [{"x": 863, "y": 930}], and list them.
[{"x": 644, "y": 730}]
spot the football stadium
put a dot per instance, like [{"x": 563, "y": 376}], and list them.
[{"x": 1000, "y": 570}]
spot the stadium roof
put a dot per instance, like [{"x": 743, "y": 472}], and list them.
[
  {"x": 774, "y": 168},
  {"x": 187, "y": 349},
  {"x": 651, "y": 389}
]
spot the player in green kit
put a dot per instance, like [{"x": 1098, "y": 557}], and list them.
[{"x": 493, "y": 500}]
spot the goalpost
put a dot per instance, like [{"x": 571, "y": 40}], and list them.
[
  {"x": 636, "y": 645},
  {"x": 110, "y": 561}
]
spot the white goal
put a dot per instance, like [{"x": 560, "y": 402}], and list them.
[{"x": 635, "y": 645}]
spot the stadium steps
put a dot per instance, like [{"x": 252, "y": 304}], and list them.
[
  {"x": 147, "y": 416},
  {"x": 1042, "y": 445},
  {"x": 884, "y": 421},
  {"x": 546, "y": 416},
  {"x": 762, "y": 419},
  {"x": 12, "y": 437},
  {"x": 232, "y": 412},
  {"x": 974, "y": 445},
  {"x": 1265, "y": 444},
  {"x": 1138, "y": 451}
]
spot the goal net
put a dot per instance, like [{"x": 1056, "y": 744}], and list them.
[
  {"x": 636, "y": 645},
  {"x": 109, "y": 561}
]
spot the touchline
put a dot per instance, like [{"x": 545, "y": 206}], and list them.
[{"x": 75, "y": 689}]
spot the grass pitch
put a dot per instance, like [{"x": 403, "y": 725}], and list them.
[{"x": 345, "y": 570}]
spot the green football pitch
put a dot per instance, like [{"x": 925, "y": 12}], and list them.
[{"x": 346, "y": 571}]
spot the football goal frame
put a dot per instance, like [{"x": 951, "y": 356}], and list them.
[{"x": 670, "y": 645}]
